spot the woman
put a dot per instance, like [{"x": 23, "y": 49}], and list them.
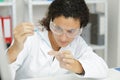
[{"x": 59, "y": 49}]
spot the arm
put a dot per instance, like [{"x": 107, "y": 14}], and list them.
[
  {"x": 85, "y": 61},
  {"x": 20, "y": 34},
  {"x": 93, "y": 65}
]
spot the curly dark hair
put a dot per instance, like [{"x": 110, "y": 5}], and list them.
[{"x": 68, "y": 8}]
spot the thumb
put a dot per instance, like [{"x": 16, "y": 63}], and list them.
[
  {"x": 56, "y": 54},
  {"x": 53, "y": 53}
]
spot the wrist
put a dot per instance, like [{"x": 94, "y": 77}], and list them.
[
  {"x": 13, "y": 52},
  {"x": 80, "y": 70},
  {"x": 81, "y": 73}
]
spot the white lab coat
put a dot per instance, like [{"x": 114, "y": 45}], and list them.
[{"x": 34, "y": 62}]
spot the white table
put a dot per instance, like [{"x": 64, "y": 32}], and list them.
[
  {"x": 60, "y": 77},
  {"x": 112, "y": 75}
]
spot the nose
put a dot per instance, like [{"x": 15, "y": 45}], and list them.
[{"x": 63, "y": 37}]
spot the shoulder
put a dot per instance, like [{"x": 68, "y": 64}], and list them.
[
  {"x": 78, "y": 44},
  {"x": 79, "y": 41}
]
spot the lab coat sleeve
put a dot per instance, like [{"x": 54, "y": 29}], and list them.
[
  {"x": 93, "y": 65},
  {"x": 20, "y": 59}
]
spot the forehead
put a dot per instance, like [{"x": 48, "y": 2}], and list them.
[{"x": 67, "y": 23}]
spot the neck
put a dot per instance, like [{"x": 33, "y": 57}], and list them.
[{"x": 53, "y": 42}]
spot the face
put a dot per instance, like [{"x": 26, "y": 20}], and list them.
[{"x": 67, "y": 26}]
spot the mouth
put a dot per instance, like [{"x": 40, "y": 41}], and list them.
[{"x": 63, "y": 42}]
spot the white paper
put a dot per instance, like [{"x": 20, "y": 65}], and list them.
[
  {"x": 1, "y": 34},
  {"x": 7, "y": 26}
]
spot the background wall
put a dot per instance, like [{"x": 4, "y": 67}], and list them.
[
  {"x": 22, "y": 12},
  {"x": 21, "y": 15},
  {"x": 113, "y": 33},
  {"x": 119, "y": 37}
]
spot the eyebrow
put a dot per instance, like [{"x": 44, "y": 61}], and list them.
[
  {"x": 60, "y": 27},
  {"x": 67, "y": 29}
]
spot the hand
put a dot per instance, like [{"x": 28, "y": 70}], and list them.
[
  {"x": 67, "y": 61},
  {"x": 21, "y": 32}
]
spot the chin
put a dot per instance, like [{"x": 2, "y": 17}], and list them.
[{"x": 63, "y": 45}]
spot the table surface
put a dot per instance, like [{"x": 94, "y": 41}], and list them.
[{"x": 113, "y": 74}]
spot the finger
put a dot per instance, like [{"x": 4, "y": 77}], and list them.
[
  {"x": 26, "y": 24},
  {"x": 66, "y": 66},
  {"x": 54, "y": 53},
  {"x": 23, "y": 25},
  {"x": 27, "y": 27},
  {"x": 66, "y": 52},
  {"x": 23, "y": 30},
  {"x": 68, "y": 61},
  {"x": 27, "y": 31},
  {"x": 19, "y": 35},
  {"x": 20, "y": 38},
  {"x": 67, "y": 56}
]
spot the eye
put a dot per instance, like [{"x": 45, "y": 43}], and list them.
[
  {"x": 57, "y": 28},
  {"x": 71, "y": 31}
]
